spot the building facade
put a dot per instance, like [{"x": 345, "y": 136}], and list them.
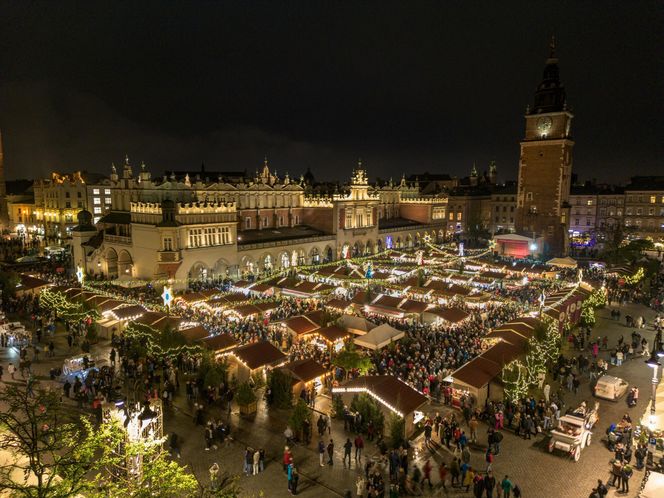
[
  {"x": 545, "y": 164},
  {"x": 644, "y": 208},
  {"x": 583, "y": 202},
  {"x": 184, "y": 228},
  {"x": 58, "y": 201}
]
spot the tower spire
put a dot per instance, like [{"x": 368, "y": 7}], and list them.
[
  {"x": 552, "y": 47},
  {"x": 550, "y": 93}
]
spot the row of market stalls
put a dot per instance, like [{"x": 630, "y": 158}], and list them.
[
  {"x": 285, "y": 286},
  {"x": 480, "y": 377},
  {"x": 565, "y": 305}
]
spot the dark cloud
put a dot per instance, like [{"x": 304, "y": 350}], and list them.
[{"x": 407, "y": 86}]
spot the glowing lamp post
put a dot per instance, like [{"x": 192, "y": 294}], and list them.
[{"x": 653, "y": 362}]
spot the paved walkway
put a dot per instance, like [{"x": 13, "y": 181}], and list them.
[{"x": 538, "y": 473}]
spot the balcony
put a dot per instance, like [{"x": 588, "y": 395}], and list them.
[
  {"x": 169, "y": 256},
  {"x": 117, "y": 239}
]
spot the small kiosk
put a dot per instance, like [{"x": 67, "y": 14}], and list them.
[
  {"x": 252, "y": 359},
  {"x": 392, "y": 394}
]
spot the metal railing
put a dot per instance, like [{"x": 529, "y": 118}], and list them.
[
  {"x": 117, "y": 239},
  {"x": 281, "y": 243}
]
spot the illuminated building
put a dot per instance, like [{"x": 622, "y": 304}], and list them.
[
  {"x": 185, "y": 228},
  {"x": 545, "y": 164}
]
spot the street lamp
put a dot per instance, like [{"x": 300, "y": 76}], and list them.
[{"x": 653, "y": 362}]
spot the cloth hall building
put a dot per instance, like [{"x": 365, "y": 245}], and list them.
[{"x": 185, "y": 228}]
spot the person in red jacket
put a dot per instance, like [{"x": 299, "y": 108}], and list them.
[
  {"x": 442, "y": 473},
  {"x": 427, "y": 473},
  {"x": 359, "y": 446}
]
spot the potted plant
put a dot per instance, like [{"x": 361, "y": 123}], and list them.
[{"x": 246, "y": 399}]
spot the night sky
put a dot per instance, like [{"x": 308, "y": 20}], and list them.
[{"x": 408, "y": 86}]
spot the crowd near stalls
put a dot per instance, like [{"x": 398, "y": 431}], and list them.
[{"x": 427, "y": 326}]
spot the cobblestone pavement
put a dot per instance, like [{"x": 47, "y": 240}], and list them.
[{"x": 527, "y": 462}]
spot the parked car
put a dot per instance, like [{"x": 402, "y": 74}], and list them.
[{"x": 610, "y": 387}]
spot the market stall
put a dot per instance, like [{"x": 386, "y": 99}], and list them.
[
  {"x": 17, "y": 335},
  {"x": 252, "y": 359},
  {"x": 447, "y": 316},
  {"x": 393, "y": 395},
  {"x": 356, "y": 324},
  {"x": 331, "y": 337},
  {"x": 195, "y": 333},
  {"x": 219, "y": 344},
  {"x": 379, "y": 337},
  {"x": 306, "y": 374},
  {"x": 78, "y": 366}
]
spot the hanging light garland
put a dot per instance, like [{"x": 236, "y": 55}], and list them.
[
  {"x": 148, "y": 337},
  {"x": 64, "y": 308},
  {"x": 519, "y": 375},
  {"x": 636, "y": 278}
]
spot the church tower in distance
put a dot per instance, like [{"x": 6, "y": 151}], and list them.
[{"x": 545, "y": 164}]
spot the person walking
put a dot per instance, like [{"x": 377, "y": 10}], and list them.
[
  {"x": 360, "y": 486},
  {"x": 601, "y": 489},
  {"x": 547, "y": 393},
  {"x": 473, "y": 424},
  {"x": 455, "y": 472},
  {"x": 359, "y": 446},
  {"x": 214, "y": 475},
  {"x": 489, "y": 484},
  {"x": 330, "y": 452},
  {"x": 173, "y": 443},
  {"x": 321, "y": 453},
  {"x": 348, "y": 446},
  {"x": 295, "y": 479},
  {"x": 626, "y": 474},
  {"x": 427, "y": 473},
  {"x": 256, "y": 458},
  {"x": 442, "y": 474},
  {"x": 12, "y": 370},
  {"x": 289, "y": 477},
  {"x": 506, "y": 485}
]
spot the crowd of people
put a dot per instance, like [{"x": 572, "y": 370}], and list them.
[{"x": 427, "y": 355}]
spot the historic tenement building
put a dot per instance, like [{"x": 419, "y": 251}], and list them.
[
  {"x": 644, "y": 207},
  {"x": 190, "y": 228},
  {"x": 545, "y": 165}
]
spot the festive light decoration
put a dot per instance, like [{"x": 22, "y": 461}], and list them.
[
  {"x": 148, "y": 337},
  {"x": 588, "y": 314},
  {"x": 519, "y": 375},
  {"x": 66, "y": 309},
  {"x": 515, "y": 380},
  {"x": 167, "y": 296},
  {"x": 636, "y": 278}
]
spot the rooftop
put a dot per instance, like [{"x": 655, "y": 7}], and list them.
[
  {"x": 396, "y": 223},
  {"x": 275, "y": 234}
]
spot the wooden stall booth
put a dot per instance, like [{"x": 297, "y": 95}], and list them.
[
  {"x": 306, "y": 374},
  {"x": 392, "y": 394},
  {"x": 253, "y": 359}
]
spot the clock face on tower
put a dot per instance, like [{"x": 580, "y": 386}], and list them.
[{"x": 544, "y": 125}]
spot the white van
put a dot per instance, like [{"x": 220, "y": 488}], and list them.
[{"x": 611, "y": 388}]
